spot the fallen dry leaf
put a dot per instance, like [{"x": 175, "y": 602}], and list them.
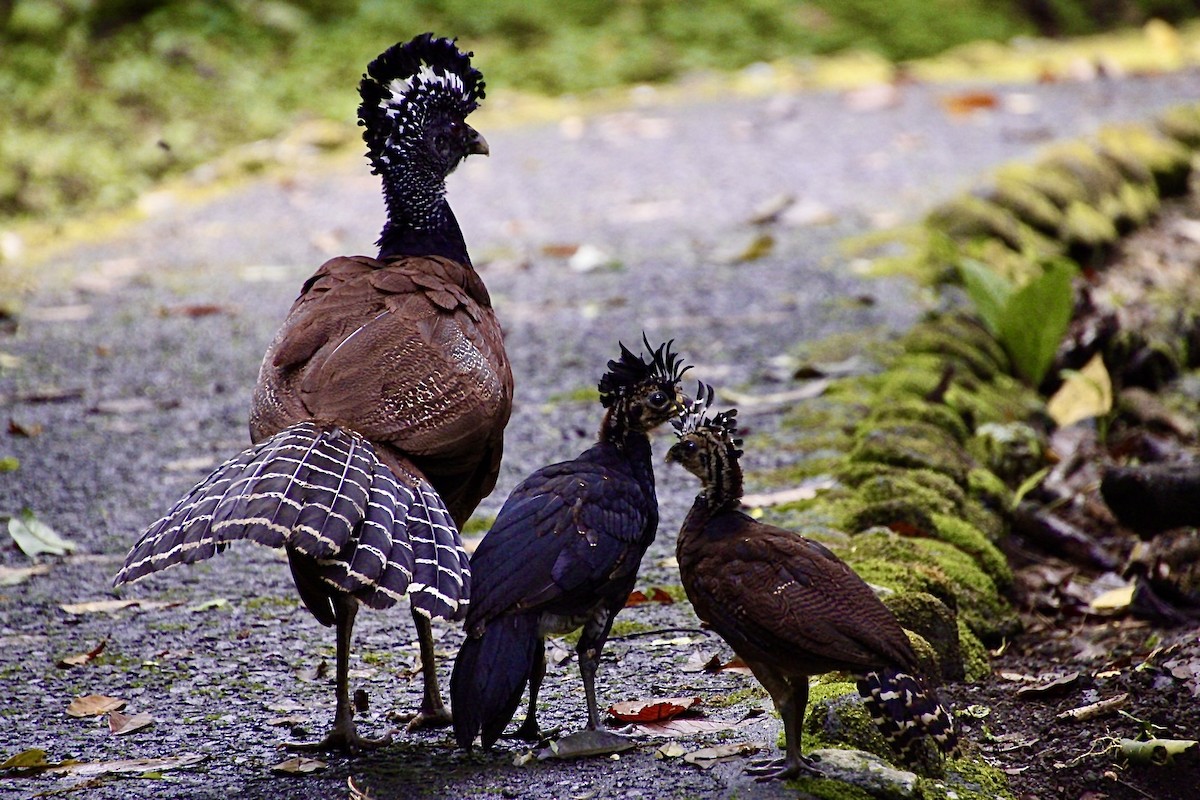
[
  {"x": 94, "y": 705},
  {"x": 657, "y": 595},
  {"x": 700, "y": 661},
  {"x": 300, "y": 765},
  {"x": 709, "y": 756},
  {"x": 80, "y": 659},
  {"x": 11, "y": 576},
  {"x": 965, "y": 103},
  {"x": 194, "y": 310},
  {"x": 734, "y": 664},
  {"x": 34, "y": 758},
  {"x": 670, "y": 750},
  {"x": 683, "y": 727},
  {"x": 1094, "y": 710},
  {"x": 582, "y": 744},
  {"x": 121, "y": 724},
  {"x": 312, "y": 674},
  {"x": 27, "y": 430},
  {"x": 134, "y": 765},
  {"x": 658, "y": 710},
  {"x": 1083, "y": 395},
  {"x": 111, "y": 606},
  {"x": 35, "y": 537}
]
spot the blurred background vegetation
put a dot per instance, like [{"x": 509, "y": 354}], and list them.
[{"x": 104, "y": 97}]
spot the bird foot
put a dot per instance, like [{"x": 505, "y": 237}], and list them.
[
  {"x": 343, "y": 738},
  {"x": 777, "y": 769},
  {"x": 530, "y": 733},
  {"x": 426, "y": 718}
]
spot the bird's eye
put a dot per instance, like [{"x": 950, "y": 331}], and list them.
[
  {"x": 690, "y": 446},
  {"x": 658, "y": 400}
]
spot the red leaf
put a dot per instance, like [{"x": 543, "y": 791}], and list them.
[{"x": 652, "y": 710}]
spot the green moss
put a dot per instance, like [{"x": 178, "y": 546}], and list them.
[
  {"x": 1098, "y": 176},
  {"x": 951, "y": 347},
  {"x": 984, "y": 486},
  {"x": 915, "y": 410},
  {"x": 938, "y": 568},
  {"x": 970, "y": 540},
  {"x": 478, "y": 525},
  {"x": 966, "y": 779},
  {"x": 837, "y": 718},
  {"x": 584, "y": 394},
  {"x": 976, "y": 664},
  {"x": 1182, "y": 124},
  {"x": 1028, "y": 204},
  {"x": 1058, "y": 187},
  {"x": 904, "y": 443},
  {"x": 829, "y": 789},
  {"x": 968, "y": 217},
  {"x": 926, "y": 615},
  {"x": 1011, "y": 451},
  {"x": 1086, "y": 225},
  {"x": 753, "y": 692}
]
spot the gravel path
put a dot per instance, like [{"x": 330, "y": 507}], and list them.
[{"x": 139, "y": 349}]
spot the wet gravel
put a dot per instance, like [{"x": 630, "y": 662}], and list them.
[{"x": 139, "y": 348}]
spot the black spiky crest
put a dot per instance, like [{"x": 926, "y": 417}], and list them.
[
  {"x": 695, "y": 419},
  {"x": 631, "y": 369},
  {"x": 406, "y": 83}
]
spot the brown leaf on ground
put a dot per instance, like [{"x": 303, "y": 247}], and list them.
[
  {"x": 582, "y": 744},
  {"x": 966, "y": 103},
  {"x": 27, "y": 430},
  {"x": 684, "y": 727},
  {"x": 193, "y": 310},
  {"x": 1056, "y": 687},
  {"x": 656, "y": 595},
  {"x": 80, "y": 659},
  {"x": 710, "y": 756},
  {"x": 700, "y": 661},
  {"x": 94, "y": 705},
  {"x": 734, "y": 664},
  {"x": 11, "y": 576},
  {"x": 657, "y": 710},
  {"x": 121, "y": 724},
  {"x": 111, "y": 606},
  {"x": 312, "y": 674},
  {"x": 300, "y": 765}
]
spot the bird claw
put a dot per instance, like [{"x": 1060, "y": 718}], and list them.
[
  {"x": 425, "y": 718},
  {"x": 346, "y": 740},
  {"x": 775, "y": 769},
  {"x": 530, "y": 733}
]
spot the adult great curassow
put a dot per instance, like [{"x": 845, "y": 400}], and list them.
[
  {"x": 563, "y": 554},
  {"x": 788, "y": 606},
  {"x": 380, "y": 408}
]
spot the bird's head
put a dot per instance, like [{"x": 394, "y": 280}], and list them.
[
  {"x": 706, "y": 443},
  {"x": 643, "y": 393},
  {"x": 416, "y": 97}
]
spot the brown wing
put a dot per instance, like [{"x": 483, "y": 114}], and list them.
[
  {"x": 407, "y": 353},
  {"x": 785, "y": 600}
]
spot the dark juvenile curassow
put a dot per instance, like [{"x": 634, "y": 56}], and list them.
[
  {"x": 564, "y": 553},
  {"x": 379, "y": 414},
  {"x": 788, "y": 606}
]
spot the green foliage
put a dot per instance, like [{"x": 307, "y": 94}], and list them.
[
  {"x": 1029, "y": 320},
  {"x": 104, "y": 97}
]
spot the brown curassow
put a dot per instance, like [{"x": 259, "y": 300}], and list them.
[
  {"x": 379, "y": 413},
  {"x": 788, "y": 606},
  {"x": 563, "y": 554}
]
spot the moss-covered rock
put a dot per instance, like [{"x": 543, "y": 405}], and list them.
[
  {"x": 936, "y": 624},
  {"x": 1028, "y": 204},
  {"x": 1087, "y": 230},
  {"x": 1182, "y": 124},
  {"x": 837, "y": 718},
  {"x": 929, "y": 565},
  {"x": 968, "y": 217},
  {"x": 905, "y": 443},
  {"x": 935, "y": 414},
  {"x": 942, "y": 341},
  {"x": 1011, "y": 451},
  {"x": 976, "y": 664}
]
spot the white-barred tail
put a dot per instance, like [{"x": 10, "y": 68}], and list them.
[{"x": 325, "y": 493}]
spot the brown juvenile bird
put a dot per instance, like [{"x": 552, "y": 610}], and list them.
[
  {"x": 788, "y": 606},
  {"x": 379, "y": 414}
]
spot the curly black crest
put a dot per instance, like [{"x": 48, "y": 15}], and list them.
[
  {"x": 695, "y": 418},
  {"x": 409, "y": 80},
  {"x": 631, "y": 370}
]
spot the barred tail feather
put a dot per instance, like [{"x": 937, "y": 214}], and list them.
[
  {"x": 326, "y": 494},
  {"x": 905, "y": 711}
]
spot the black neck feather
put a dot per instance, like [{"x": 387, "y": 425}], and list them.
[
  {"x": 723, "y": 479},
  {"x": 420, "y": 222}
]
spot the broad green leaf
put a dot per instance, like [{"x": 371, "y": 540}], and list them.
[
  {"x": 35, "y": 537},
  {"x": 988, "y": 289},
  {"x": 1035, "y": 319}
]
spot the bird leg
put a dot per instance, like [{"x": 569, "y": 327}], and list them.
[
  {"x": 433, "y": 712},
  {"x": 529, "y": 730},
  {"x": 591, "y": 643},
  {"x": 344, "y": 734},
  {"x": 790, "y": 704}
]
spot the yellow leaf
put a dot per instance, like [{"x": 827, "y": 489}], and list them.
[
  {"x": 1113, "y": 599},
  {"x": 93, "y": 705},
  {"x": 1084, "y": 394}
]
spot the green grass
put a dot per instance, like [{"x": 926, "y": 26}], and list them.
[{"x": 105, "y": 97}]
